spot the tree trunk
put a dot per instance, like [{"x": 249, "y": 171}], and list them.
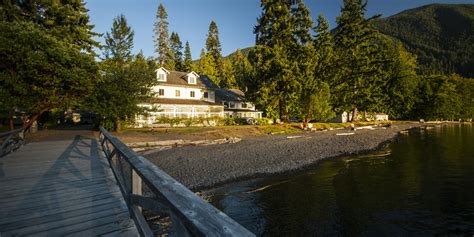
[
  {"x": 32, "y": 119},
  {"x": 12, "y": 127},
  {"x": 354, "y": 114}
]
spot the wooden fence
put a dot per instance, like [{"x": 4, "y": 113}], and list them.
[
  {"x": 10, "y": 141},
  {"x": 164, "y": 197}
]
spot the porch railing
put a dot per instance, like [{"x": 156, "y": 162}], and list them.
[
  {"x": 182, "y": 212},
  {"x": 10, "y": 141}
]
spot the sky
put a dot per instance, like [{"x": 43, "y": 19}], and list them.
[{"x": 235, "y": 18}]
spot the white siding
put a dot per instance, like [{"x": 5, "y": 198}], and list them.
[{"x": 185, "y": 93}]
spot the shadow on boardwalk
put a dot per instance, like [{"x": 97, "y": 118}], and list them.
[{"x": 60, "y": 188}]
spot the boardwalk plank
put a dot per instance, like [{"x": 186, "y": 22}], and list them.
[{"x": 61, "y": 187}]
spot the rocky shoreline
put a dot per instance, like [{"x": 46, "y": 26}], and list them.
[{"x": 202, "y": 167}]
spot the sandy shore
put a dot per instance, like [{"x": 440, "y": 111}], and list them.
[{"x": 201, "y": 167}]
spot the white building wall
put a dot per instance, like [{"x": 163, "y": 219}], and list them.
[{"x": 185, "y": 92}]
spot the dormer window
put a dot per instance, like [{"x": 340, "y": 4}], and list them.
[
  {"x": 161, "y": 77},
  {"x": 161, "y": 74},
  {"x": 192, "y": 78}
]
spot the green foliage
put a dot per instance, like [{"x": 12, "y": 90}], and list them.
[
  {"x": 242, "y": 70},
  {"x": 207, "y": 66},
  {"x": 161, "y": 39},
  {"x": 119, "y": 41},
  {"x": 440, "y": 35},
  {"x": 188, "y": 65},
  {"x": 281, "y": 54},
  {"x": 125, "y": 82},
  {"x": 358, "y": 82},
  {"x": 39, "y": 72},
  {"x": 176, "y": 48},
  {"x": 213, "y": 47}
]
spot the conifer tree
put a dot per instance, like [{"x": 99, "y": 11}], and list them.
[
  {"x": 281, "y": 55},
  {"x": 119, "y": 41},
  {"x": 228, "y": 75},
  {"x": 126, "y": 79},
  {"x": 207, "y": 66},
  {"x": 161, "y": 37},
  {"x": 177, "y": 49},
  {"x": 315, "y": 93},
  {"x": 242, "y": 70},
  {"x": 213, "y": 47},
  {"x": 188, "y": 63},
  {"x": 358, "y": 84}
]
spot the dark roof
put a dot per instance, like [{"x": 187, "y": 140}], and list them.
[
  {"x": 179, "y": 78},
  {"x": 223, "y": 94},
  {"x": 180, "y": 101}
]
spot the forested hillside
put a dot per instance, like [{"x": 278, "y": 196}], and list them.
[{"x": 440, "y": 35}]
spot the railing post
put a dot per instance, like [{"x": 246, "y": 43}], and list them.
[{"x": 136, "y": 185}]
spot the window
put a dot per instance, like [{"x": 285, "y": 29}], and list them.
[
  {"x": 191, "y": 80},
  {"x": 206, "y": 95},
  {"x": 192, "y": 94},
  {"x": 178, "y": 93},
  {"x": 226, "y": 105},
  {"x": 232, "y": 105},
  {"x": 161, "y": 77},
  {"x": 161, "y": 92},
  {"x": 244, "y": 105}
]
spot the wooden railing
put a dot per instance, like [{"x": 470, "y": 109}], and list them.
[
  {"x": 163, "y": 196},
  {"x": 10, "y": 141}
]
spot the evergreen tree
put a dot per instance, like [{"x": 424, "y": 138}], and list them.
[
  {"x": 282, "y": 35},
  {"x": 207, "y": 66},
  {"x": 177, "y": 49},
  {"x": 126, "y": 79},
  {"x": 49, "y": 46},
  {"x": 242, "y": 70},
  {"x": 401, "y": 80},
  {"x": 358, "y": 85},
  {"x": 315, "y": 94},
  {"x": 119, "y": 41},
  {"x": 161, "y": 39},
  {"x": 213, "y": 47},
  {"x": 228, "y": 75},
  {"x": 188, "y": 61}
]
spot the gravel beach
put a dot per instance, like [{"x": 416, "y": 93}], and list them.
[{"x": 201, "y": 167}]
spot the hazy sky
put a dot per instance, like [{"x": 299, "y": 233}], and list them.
[{"x": 235, "y": 18}]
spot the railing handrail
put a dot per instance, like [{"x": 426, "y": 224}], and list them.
[
  {"x": 196, "y": 216},
  {"x": 4, "y": 134},
  {"x": 11, "y": 140}
]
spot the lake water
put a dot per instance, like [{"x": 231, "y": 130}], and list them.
[{"x": 422, "y": 184}]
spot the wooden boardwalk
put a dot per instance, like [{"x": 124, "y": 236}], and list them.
[{"x": 61, "y": 188}]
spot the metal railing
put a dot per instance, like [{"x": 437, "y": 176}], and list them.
[
  {"x": 10, "y": 141},
  {"x": 187, "y": 214}
]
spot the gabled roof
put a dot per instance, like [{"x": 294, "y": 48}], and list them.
[
  {"x": 223, "y": 94},
  {"x": 175, "y": 78},
  {"x": 164, "y": 69}
]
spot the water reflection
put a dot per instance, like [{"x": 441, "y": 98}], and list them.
[{"x": 420, "y": 185}]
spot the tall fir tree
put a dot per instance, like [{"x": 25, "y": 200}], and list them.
[
  {"x": 161, "y": 39},
  {"x": 119, "y": 41},
  {"x": 207, "y": 66},
  {"x": 281, "y": 55},
  {"x": 358, "y": 84},
  {"x": 177, "y": 49},
  {"x": 315, "y": 93},
  {"x": 213, "y": 47},
  {"x": 188, "y": 60},
  {"x": 242, "y": 70},
  {"x": 126, "y": 79}
]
